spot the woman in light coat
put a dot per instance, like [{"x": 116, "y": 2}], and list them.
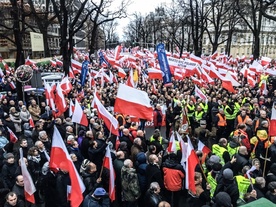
[
  {"x": 15, "y": 118},
  {"x": 25, "y": 114}
]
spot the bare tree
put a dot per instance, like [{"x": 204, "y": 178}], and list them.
[
  {"x": 12, "y": 23},
  {"x": 177, "y": 27},
  {"x": 219, "y": 17},
  {"x": 103, "y": 13},
  {"x": 71, "y": 15},
  {"x": 110, "y": 35},
  {"x": 267, "y": 9},
  {"x": 43, "y": 18},
  {"x": 250, "y": 12},
  {"x": 197, "y": 20}
]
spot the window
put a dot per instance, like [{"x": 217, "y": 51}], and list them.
[
  {"x": 204, "y": 41},
  {"x": 221, "y": 50}
]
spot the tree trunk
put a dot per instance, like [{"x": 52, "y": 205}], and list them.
[
  {"x": 93, "y": 44},
  {"x": 256, "y": 50},
  {"x": 228, "y": 44},
  {"x": 45, "y": 41}
]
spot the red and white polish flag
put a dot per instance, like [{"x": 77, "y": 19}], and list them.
[
  {"x": 192, "y": 161},
  {"x": 13, "y": 137},
  {"x": 272, "y": 126},
  {"x": 60, "y": 159},
  {"x": 133, "y": 102},
  {"x": 29, "y": 187},
  {"x": 107, "y": 163},
  {"x": 79, "y": 116},
  {"x": 110, "y": 121}
]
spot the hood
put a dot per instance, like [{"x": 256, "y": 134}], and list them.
[
  {"x": 233, "y": 144},
  {"x": 273, "y": 168},
  {"x": 141, "y": 158}
]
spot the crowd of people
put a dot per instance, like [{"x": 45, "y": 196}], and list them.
[{"x": 240, "y": 167}]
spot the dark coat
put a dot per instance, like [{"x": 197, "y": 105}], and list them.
[
  {"x": 3, "y": 192},
  {"x": 62, "y": 181},
  {"x": 239, "y": 164},
  {"x": 89, "y": 181},
  {"x": 8, "y": 173},
  {"x": 152, "y": 199},
  {"x": 228, "y": 186},
  {"x": 141, "y": 166},
  {"x": 85, "y": 144},
  {"x": 154, "y": 174},
  {"x": 96, "y": 155},
  {"x": 89, "y": 201}
]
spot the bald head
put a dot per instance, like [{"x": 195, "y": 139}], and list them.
[
  {"x": 120, "y": 155},
  {"x": 243, "y": 150}
]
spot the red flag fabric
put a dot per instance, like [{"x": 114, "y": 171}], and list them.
[
  {"x": 29, "y": 187},
  {"x": 28, "y": 61},
  {"x": 192, "y": 161},
  {"x": 71, "y": 73},
  {"x": 272, "y": 126},
  {"x": 205, "y": 150},
  {"x": 154, "y": 73},
  {"x": 60, "y": 159},
  {"x": 200, "y": 94},
  {"x": 71, "y": 108},
  {"x": 196, "y": 59},
  {"x": 12, "y": 85},
  {"x": 228, "y": 86},
  {"x": 133, "y": 102},
  {"x": 117, "y": 52},
  {"x": 130, "y": 81},
  {"x": 121, "y": 72},
  {"x": 109, "y": 120},
  {"x": 50, "y": 96},
  {"x": 31, "y": 122},
  {"x": 13, "y": 137},
  {"x": 265, "y": 61},
  {"x": 76, "y": 64},
  {"x": 79, "y": 116},
  {"x": 53, "y": 63},
  {"x": 66, "y": 85},
  {"x": 117, "y": 144},
  {"x": 172, "y": 148},
  {"x": 60, "y": 101},
  {"x": 107, "y": 163}
]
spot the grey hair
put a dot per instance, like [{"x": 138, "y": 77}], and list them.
[
  {"x": 41, "y": 133},
  {"x": 37, "y": 143},
  {"x": 260, "y": 181},
  {"x": 136, "y": 140},
  {"x": 127, "y": 163},
  {"x": 154, "y": 186}
]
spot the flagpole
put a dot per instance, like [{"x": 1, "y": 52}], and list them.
[
  {"x": 266, "y": 153},
  {"x": 202, "y": 170},
  {"x": 101, "y": 172}
]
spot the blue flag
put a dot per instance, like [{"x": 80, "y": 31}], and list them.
[
  {"x": 102, "y": 59},
  {"x": 84, "y": 70},
  {"x": 164, "y": 64}
]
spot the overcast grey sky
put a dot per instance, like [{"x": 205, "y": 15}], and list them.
[{"x": 142, "y": 6}]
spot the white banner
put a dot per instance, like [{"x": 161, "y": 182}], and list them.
[
  {"x": 188, "y": 64},
  {"x": 37, "y": 41}
]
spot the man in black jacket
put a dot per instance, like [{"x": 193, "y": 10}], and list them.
[
  {"x": 226, "y": 183},
  {"x": 241, "y": 161},
  {"x": 152, "y": 197},
  {"x": 153, "y": 172}
]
